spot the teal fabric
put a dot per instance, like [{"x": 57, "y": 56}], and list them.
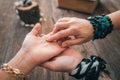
[{"x": 102, "y": 26}]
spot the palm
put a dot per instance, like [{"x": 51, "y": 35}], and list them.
[
  {"x": 40, "y": 50},
  {"x": 66, "y": 61}
]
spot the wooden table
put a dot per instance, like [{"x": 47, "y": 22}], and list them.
[{"x": 12, "y": 35}]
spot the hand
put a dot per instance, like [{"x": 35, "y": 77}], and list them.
[
  {"x": 35, "y": 50},
  {"x": 81, "y": 29},
  {"x": 38, "y": 48},
  {"x": 67, "y": 61}
]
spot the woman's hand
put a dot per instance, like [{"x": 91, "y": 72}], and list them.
[
  {"x": 35, "y": 50},
  {"x": 67, "y": 61},
  {"x": 38, "y": 48},
  {"x": 81, "y": 29}
]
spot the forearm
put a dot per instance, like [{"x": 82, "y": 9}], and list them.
[
  {"x": 20, "y": 62},
  {"x": 115, "y": 18}
]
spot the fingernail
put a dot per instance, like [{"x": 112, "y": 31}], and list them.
[
  {"x": 48, "y": 39},
  {"x": 37, "y": 23},
  {"x": 64, "y": 45},
  {"x": 59, "y": 42}
]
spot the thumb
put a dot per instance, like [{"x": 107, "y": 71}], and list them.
[
  {"x": 36, "y": 29},
  {"x": 72, "y": 42}
]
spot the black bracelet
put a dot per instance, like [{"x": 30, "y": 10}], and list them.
[
  {"x": 102, "y": 26},
  {"x": 90, "y": 69}
]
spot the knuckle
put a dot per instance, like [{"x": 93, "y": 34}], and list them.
[
  {"x": 58, "y": 25},
  {"x": 75, "y": 29},
  {"x": 73, "y": 18},
  {"x": 60, "y": 33},
  {"x": 72, "y": 31},
  {"x": 67, "y": 44},
  {"x": 72, "y": 22}
]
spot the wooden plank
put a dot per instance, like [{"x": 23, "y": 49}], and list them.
[
  {"x": 112, "y": 40},
  {"x": 47, "y": 26},
  {"x": 84, "y": 6},
  {"x": 111, "y": 5},
  {"x": 12, "y": 35},
  {"x": 105, "y": 49}
]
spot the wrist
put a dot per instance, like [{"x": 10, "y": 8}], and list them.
[
  {"x": 115, "y": 18},
  {"x": 74, "y": 65},
  {"x": 88, "y": 29},
  {"x": 22, "y": 62},
  {"x": 77, "y": 60},
  {"x": 90, "y": 68}
]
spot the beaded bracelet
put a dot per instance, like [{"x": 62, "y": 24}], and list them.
[
  {"x": 90, "y": 69},
  {"x": 102, "y": 26},
  {"x": 13, "y": 71}
]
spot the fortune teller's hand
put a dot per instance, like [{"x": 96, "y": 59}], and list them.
[
  {"x": 80, "y": 29},
  {"x": 66, "y": 61},
  {"x": 35, "y": 50}
]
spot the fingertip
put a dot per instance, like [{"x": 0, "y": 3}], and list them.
[
  {"x": 54, "y": 30},
  {"x": 36, "y": 29},
  {"x": 38, "y": 26},
  {"x": 64, "y": 45},
  {"x": 49, "y": 39},
  {"x": 51, "y": 33}
]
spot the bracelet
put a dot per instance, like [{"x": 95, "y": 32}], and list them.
[
  {"x": 102, "y": 26},
  {"x": 13, "y": 71},
  {"x": 90, "y": 69}
]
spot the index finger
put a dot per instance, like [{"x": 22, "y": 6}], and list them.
[
  {"x": 61, "y": 34},
  {"x": 60, "y": 26}
]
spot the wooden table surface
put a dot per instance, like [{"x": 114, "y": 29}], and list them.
[{"x": 12, "y": 35}]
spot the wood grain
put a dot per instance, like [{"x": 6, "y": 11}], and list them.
[
  {"x": 12, "y": 35},
  {"x": 84, "y": 6}
]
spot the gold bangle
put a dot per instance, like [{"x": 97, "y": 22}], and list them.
[{"x": 13, "y": 71}]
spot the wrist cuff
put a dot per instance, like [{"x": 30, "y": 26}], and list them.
[
  {"x": 102, "y": 26},
  {"x": 89, "y": 69}
]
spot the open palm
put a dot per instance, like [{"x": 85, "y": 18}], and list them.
[{"x": 38, "y": 48}]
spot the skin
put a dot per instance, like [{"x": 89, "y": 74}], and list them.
[
  {"x": 80, "y": 29},
  {"x": 36, "y": 51},
  {"x": 65, "y": 62}
]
